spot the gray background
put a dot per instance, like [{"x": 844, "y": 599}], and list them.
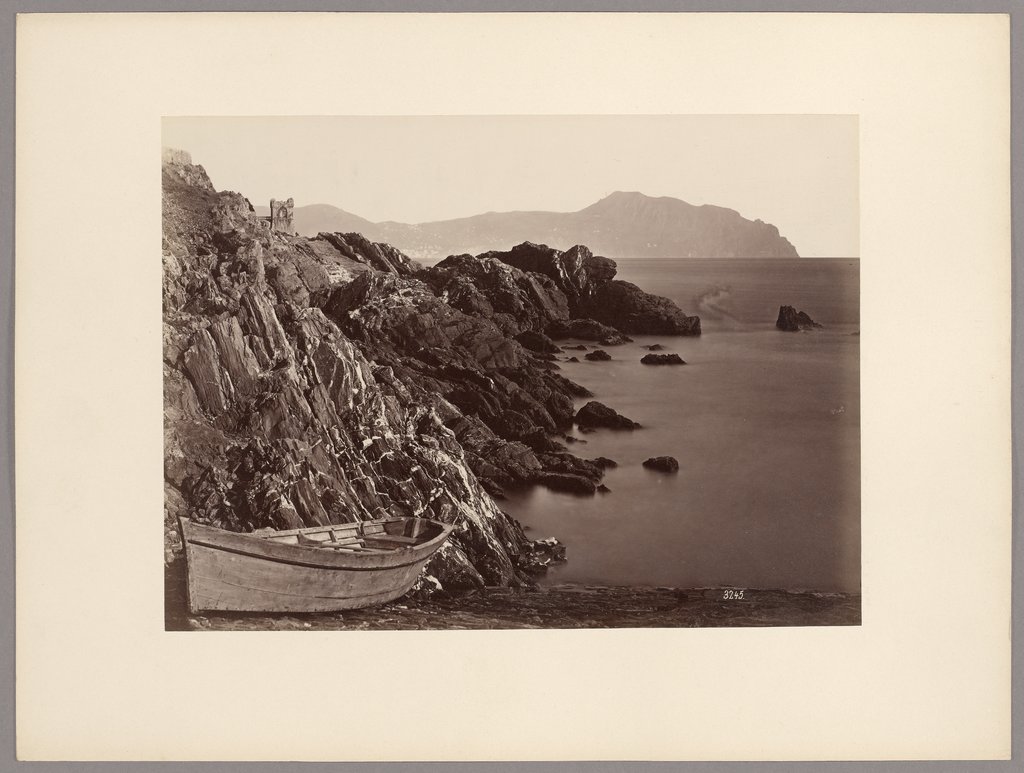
[{"x": 7, "y": 274}]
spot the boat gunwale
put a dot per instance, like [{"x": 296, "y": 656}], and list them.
[{"x": 316, "y": 557}]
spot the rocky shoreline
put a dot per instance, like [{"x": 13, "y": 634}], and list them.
[{"x": 324, "y": 380}]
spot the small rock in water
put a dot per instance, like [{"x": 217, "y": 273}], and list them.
[
  {"x": 662, "y": 464},
  {"x": 573, "y": 359},
  {"x": 604, "y": 489},
  {"x": 662, "y": 359},
  {"x": 604, "y": 462},
  {"x": 595, "y": 414},
  {"x": 792, "y": 320},
  {"x": 598, "y": 355},
  {"x": 654, "y": 347}
]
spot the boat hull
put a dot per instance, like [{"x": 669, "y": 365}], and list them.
[{"x": 228, "y": 571}]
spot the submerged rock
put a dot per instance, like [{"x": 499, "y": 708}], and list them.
[
  {"x": 597, "y": 415},
  {"x": 662, "y": 464},
  {"x": 654, "y": 347},
  {"x": 662, "y": 359},
  {"x": 792, "y": 320}
]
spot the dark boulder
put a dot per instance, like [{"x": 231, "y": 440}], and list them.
[
  {"x": 598, "y": 355},
  {"x": 629, "y": 309},
  {"x": 573, "y": 359},
  {"x": 595, "y": 414},
  {"x": 537, "y": 342},
  {"x": 662, "y": 464},
  {"x": 570, "y": 484},
  {"x": 792, "y": 320},
  {"x": 662, "y": 359},
  {"x": 604, "y": 462},
  {"x": 654, "y": 347}
]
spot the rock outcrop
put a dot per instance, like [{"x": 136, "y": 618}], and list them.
[
  {"x": 592, "y": 293},
  {"x": 598, "y": 355},
  {"x": 792, "y": 320}
]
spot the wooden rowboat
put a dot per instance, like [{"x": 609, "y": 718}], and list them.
[{"x": 317, "y": 569}]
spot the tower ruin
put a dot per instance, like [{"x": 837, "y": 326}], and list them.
[{"x": 281, "y": 213}]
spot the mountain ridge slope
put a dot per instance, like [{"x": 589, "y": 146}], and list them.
[{"x": 624, "y": 224}]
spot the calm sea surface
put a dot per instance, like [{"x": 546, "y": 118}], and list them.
[{"x": 765, "y": 425}]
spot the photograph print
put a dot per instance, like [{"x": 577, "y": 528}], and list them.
[{"x": 491, "y": 372}]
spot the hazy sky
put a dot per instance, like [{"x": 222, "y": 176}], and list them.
[{"x": 798, "y": 172}]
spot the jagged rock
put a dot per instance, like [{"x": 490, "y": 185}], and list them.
[
  {"x": 571, "y": 465},
  {"x": 662, "y": 359},
  {"x": 594, "y": 415},
  {"x": 662, "y": 464},
  {"x": 598, "y": 355},
  {"x": 588, "y": 330},
  {"x": 382, "y": 257},
  {"x": 516, "y": 301},
  {"x": 603, "y": 489},
  {"x": 573, "y": 359},
  {"x": 588, "y": 283},
  {"x": 576, "y": 272},
  {"x": 792, "y": 320}
]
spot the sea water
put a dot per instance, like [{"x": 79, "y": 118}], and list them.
[{"x": 765, "y": 425}]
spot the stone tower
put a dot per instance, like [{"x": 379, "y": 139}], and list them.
[{"x": 281, "y": 215}]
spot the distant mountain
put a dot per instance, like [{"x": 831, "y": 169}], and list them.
[{"x": 621, "y": 225}]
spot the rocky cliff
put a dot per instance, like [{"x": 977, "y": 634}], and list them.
[{"x": 331, "y": 379}]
